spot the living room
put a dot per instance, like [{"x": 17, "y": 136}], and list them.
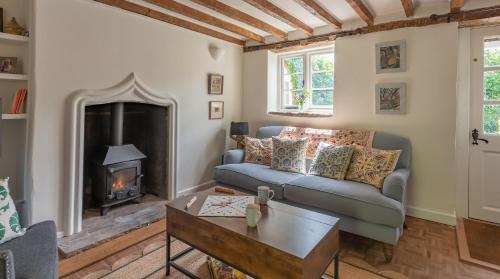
[{"x": 172, "y": 103}]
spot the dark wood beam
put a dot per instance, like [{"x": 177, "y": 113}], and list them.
[
  {"x": 276, "y": 12},
  {"x": 361, "y": 10},
  {"x": 492, "y": 21},
  {"x": 241, "y": 16},
  {"x": 456, "y": 5},
  {"x": 463, "y": 16},
  {"x": 184, "y": 10},
  {"x": 139, "y": 9},
  {"x": 314, "y": 8},
  {"x": 408, "y": 6}
]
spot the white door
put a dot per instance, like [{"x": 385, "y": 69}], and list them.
[{"x": 484, "y": 163}]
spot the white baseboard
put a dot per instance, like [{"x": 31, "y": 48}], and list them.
[
  {"x": 60, "y": 234},
  {"x": 196, "y": 188},
  {"x": 431, "y": 215}
]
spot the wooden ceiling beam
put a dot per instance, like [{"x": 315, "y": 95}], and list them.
[
  {"x": 314, "y": 8},
  {"x": 485, "y": 22},
  {"x": 408, "y": 7},
  {"x": 276, "y": 12},
  {"x": 456, "y": 5},
  {"x": 484, "y": 14},
  {"x": 139, "y": 9},
  {"x": 184, "y": 10},
  {"x": 361, "y": 10},
  {"x": 241, "y": 16}
]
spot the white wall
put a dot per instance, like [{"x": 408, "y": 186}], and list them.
[
  {"x": 429, "y": 123},
  {"x": 82, "y": 44}
]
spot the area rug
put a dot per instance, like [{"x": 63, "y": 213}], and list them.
[{"x": 152, "y": 266}]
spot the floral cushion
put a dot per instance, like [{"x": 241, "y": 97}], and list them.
[
  {"x": 331, "y": 161},
  {"x": 258, "y": 151},
  {"x": 336, "y": 137},
  {"x": 9, "y": 219},
  {"x": 289, "y": 155},
  {"x": 372, "y": 166}
]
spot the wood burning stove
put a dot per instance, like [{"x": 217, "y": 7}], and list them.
[{"x": 117, "y": 167}]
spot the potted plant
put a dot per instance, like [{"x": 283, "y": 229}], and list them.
[{"x": 301, "y": 98}]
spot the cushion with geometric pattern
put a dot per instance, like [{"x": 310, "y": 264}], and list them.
[
  {"x": 331, "y": 161},
  {"x": 9, "y": 219}
]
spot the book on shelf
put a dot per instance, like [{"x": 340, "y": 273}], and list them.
[
  {"x": 18, "y": 101},
  {"x": 220, "y": 270}
]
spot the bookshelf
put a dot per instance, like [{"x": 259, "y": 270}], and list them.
[{"x": 14, "y": 132}]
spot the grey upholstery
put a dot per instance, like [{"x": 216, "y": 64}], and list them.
[
  {"x": 35, "y": 253},
  {"x": 7, "y": 265},
  {"x": 250, "y": 176},
  {"x": 362, "y": 209},
  {"x": 345, "y": 197}
]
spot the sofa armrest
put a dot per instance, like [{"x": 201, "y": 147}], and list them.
[
  {"x": 7, "y": 265},
  {"x": 395, "y": 185},
  {"x": 234, "y": 156}
]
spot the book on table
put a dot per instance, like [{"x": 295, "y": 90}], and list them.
[{"x": 220, "y": 270}]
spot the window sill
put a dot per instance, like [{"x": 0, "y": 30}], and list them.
[{"x": 301, "y": 114}]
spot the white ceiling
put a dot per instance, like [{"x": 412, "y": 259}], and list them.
[{"x": 340, "y": 9}]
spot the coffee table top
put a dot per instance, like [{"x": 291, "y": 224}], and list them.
[{"x": 290, "y": 229}]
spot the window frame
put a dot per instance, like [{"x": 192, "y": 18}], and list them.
[
  {"x": 484, "y": 70},
  {"x": 307, "y": 82}
]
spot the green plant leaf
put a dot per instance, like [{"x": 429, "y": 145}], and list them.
[
  {"x": 3, "y": 193},
  {"x": 14, "y": 223}
]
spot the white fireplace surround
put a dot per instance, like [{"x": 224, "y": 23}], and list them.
[{"x": 129, "y": 90}]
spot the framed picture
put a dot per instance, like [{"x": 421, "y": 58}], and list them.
[
  {"x": 391, "y": 57},
  {"x": 215, "y": 110},
  {"x": 8, "y": 65},
  {"x": 215, "y": 84},
  {"x": 391, "y": 98}
]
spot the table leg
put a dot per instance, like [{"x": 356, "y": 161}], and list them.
[
  {"x": 167, "y": 266},
  {"x": 336, "y": 264}
]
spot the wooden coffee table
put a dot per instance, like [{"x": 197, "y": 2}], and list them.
[{"x": 288, "y": 242}]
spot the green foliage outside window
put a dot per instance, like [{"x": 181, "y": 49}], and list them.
[{"x": 491, "y": 113}]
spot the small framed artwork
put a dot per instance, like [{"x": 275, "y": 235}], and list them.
[
  {"x": 391, "y": 98},
  {"x": 215, "y": 110},
  {"x": 391, "y": 57},
  {"x": 8, "y": 65},
  {"x": 215, "y": 84}
]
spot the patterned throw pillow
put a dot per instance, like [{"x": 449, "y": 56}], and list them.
[
  {"x": 372, "y": 166},
  {"x": 258, "y": 151},
  {"x": 289, "y": 155},
  {"x": 331, "y": 161},
  {"x": 9, "y": 219}
]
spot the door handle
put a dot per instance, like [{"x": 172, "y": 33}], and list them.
[{"x": 475, "y": 137}]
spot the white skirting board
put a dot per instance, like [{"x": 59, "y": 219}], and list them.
[
  {"x": 196, "y": 188},
  {"x": 431, "y": 215}
]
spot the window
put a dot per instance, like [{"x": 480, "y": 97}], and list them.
[
  {"x": 310, "y": 72},
  {"x": 491, "y": 86}
]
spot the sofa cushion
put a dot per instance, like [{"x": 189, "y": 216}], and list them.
[
  {"x": 250, "y": 176},
  {"x": 9, "y": 219},
  {"x": 349, "y": 198},
  {"x": 289, "y": 155},
  {"x": 258, "y": 151},
  {"x": 331, "y": 161}
]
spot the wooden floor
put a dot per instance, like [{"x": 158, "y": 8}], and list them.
[
  {"x": 426, "y": 250},
  {"x": 483, "y": 240}
]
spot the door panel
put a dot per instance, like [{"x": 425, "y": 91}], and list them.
[{"x": 484, "y": 161}]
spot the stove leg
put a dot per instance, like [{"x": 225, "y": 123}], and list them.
[
  {"x": 104, "y": 211},
  {"x": 167, "y": 272}
]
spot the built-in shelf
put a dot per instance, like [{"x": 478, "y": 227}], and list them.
[
  {"x": 13, "y": 116},
  {"x": 13, "y": 76},
  {"x": 9, "y": 38}
]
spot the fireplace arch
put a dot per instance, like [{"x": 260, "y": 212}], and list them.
[{"x": 129, "y": 90}]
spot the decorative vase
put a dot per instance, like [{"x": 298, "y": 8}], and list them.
[{"x": 12, "y": 27}]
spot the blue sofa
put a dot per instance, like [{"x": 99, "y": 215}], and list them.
[{"x": 362, "y": 209}]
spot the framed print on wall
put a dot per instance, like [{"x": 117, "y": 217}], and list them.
[
  {"x": 215, "y": 84},
  {"x": 391, "y": 98},
  {"x": 391, "y": 57},
  {"x": 215, "y": 110}
]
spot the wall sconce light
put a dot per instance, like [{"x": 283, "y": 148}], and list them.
[{"x": 216, "y": 52}]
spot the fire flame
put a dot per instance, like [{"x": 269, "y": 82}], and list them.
[{"x": 119, "y": 184}]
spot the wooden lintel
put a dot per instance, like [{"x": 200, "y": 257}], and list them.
[
  {"x": 463, "y": 16},
  {"x": 206, "y": 18},
  {"x": 361, "y": 10},
  {"x": 276, "y": 12},
  {"x": 456, "y": 5},
  {"x": 241, "y": 16},
  {"x": 485, "y": 22},
  {"x": 408, "y": 7},
  {"x": 139, "y": 9},
  {"x": 316, "y": 9}
]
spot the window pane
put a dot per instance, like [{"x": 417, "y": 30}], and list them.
[
  {"x": 293, "y": 82},
  {"x": 322, "y": 62},
  {"x": 491, "y": 119},
  {"x": 293, "y": 65},
  {"x": 492, "y": 53},
  {"x": 492, "y": 85},
  {"x": 322, "y": 97},
  {"x": 322, "y": 80}
]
